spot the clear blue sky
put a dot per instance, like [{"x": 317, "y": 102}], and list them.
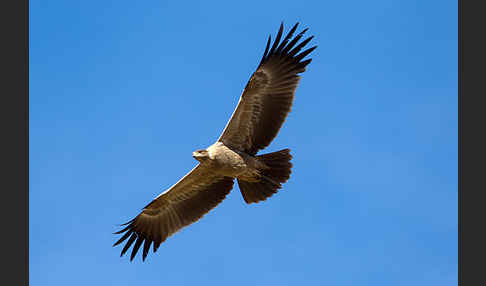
[{"x": 122, "y": 92}]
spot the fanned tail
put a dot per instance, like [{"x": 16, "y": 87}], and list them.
[{"x": 271, "y": 179}]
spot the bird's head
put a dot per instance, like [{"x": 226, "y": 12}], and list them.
[{"x": 200, "y": 155}]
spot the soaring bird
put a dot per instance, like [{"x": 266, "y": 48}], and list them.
[{"x": 259, "y": 115}]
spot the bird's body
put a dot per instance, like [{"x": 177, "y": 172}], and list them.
[
  {"x": 261, "y": 111},
  {"x": 224, "y": 161}
]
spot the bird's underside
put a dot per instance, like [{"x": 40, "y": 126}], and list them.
[{"x": 259, "y": 115}]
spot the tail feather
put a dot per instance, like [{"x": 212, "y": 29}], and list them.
[{"x": 278, "y": 172}]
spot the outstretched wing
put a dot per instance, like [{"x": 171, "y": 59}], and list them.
[
  {"x": 182, "y": 204},
  {"x": 268, "y": 95}
]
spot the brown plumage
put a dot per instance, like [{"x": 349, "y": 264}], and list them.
[
  {"x": 259, "y": 115},
  {"x": 278, "y": 173}
]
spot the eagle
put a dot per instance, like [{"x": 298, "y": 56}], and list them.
[{"x": 262, "y": 108}]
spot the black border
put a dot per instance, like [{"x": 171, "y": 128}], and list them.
[
  {"x": 459, "y": 139},
  {"x": 14, "y": 103},
  {"x": 471, "y": 143}
]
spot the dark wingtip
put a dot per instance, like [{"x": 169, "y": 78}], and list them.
[
  {"x": 287, "y": 38},
  {"x": 122, "y": 238},
  {"x": 146, "y": 248},
  {"x": 277, "y": 40},
  {"x": 294, "y": 41},
  {"x": 128, "y": 244},
  {"x": 295, "y": 50},
  {"x": 302, "y": 55},
  {"x": 137, "y": 245},
  {"x": 156, "y": 245},
  {"x": 266, "y": 50},
  {"x": 123, "y": 230},
  {"x": 130, "y": 221}
]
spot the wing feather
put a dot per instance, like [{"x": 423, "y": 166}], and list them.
[
  {"x": 268, "y": 95},
  {"x": 182, "y": 204}
]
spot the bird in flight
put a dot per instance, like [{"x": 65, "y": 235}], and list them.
[{"x": 259, "y": 115}]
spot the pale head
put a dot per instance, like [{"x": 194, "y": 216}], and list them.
[{"x": 200, "y": 155}]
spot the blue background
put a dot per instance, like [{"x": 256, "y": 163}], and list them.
[{"x": 122, "y": 92}]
